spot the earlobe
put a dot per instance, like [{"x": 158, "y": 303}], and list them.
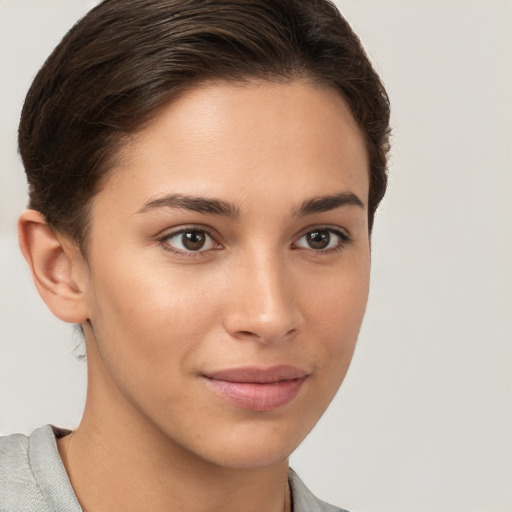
[{"x": 57, "y": 268}]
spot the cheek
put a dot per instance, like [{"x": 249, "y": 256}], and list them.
[
  {"x": 335, "y": 309},
  {"x": 337, "y": 301},
  {"x": 150, "y": 314},
  {"x": 149, "y": 328}
]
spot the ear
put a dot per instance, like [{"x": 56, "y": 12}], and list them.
[{"x": 57, "y": 265}]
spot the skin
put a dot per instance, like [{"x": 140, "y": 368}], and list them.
[{"x": 158, "y": 317}]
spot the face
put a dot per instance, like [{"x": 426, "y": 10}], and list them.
[{"x": 228, "y": 270}]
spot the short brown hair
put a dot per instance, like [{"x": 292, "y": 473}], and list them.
[{"x": 128, "y": 58}]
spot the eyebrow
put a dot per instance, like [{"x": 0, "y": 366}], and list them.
[
  {"x": 326, "y": 203},
  {"x": 196, "y": 204},
  {"x": 219, "y": 207}
]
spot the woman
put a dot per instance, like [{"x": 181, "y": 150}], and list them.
[{"x": 203, "y": 180}]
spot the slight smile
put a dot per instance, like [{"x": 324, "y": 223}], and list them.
[{"x": 258, "y": 389}]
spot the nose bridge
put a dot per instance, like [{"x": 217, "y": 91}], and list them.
[{"x": 265, "y": 305}]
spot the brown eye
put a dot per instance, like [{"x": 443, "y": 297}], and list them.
[
  {"x": 190, "y": 240},
  {"x": 322, "y": 240},
  {"x": 193, "y": 241},
  {"x": 318, "y": 239}
]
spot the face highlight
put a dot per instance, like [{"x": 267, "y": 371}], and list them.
[{"x": 228, "y": 270}]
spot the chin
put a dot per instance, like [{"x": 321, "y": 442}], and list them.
[
  {"x": 253, "y": 457},
  {"x": 253, "y": 447}
]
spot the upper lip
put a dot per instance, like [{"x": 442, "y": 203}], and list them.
[{"x": 260, "y": 375}]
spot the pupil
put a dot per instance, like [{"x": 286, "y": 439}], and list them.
[
  {"x": 319, "y": 239},
  {"x": 193, "y": 240}
]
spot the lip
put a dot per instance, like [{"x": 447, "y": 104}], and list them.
[{"x": 258, "y": 389}]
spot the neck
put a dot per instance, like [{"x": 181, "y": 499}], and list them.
[{"x": 119, "y": 462}]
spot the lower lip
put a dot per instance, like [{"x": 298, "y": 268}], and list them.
[{"x": 258, "y": 397}]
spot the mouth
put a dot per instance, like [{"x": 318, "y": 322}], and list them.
[{"x": 258, "y": 389}]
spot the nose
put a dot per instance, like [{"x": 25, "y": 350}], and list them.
[{"x": 264, "y": 305}]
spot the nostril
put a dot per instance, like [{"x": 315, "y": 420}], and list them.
[
  {"x": 266, "y": 336},
  {"x": 247, "y": 333}
]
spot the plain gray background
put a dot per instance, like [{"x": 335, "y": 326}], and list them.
[{"x": 424, "y": 419}]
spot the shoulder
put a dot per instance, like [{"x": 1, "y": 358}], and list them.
[
  {"x": 13, "y": 456},
  {"x": 304, "y": 500},
  {"x": 29, "y": 471},
  {"x": 18, "y": 487}
]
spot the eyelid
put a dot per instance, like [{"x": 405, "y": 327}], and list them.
[
  {"x": 185, "y": 228},
  {"x": 343, "y": 235},
  {"x": 168, "y": 234},
  {"x": 343, "y": 232}
]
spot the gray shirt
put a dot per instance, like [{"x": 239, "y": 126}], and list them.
[{"x": 33, "y": 477}]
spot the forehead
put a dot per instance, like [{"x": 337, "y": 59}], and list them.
[{"x": 237, "y": 140}]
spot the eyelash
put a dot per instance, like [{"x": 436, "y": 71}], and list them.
[
  {"x": 343, "y": 240},
  {"x": 164, "y": 241}
]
